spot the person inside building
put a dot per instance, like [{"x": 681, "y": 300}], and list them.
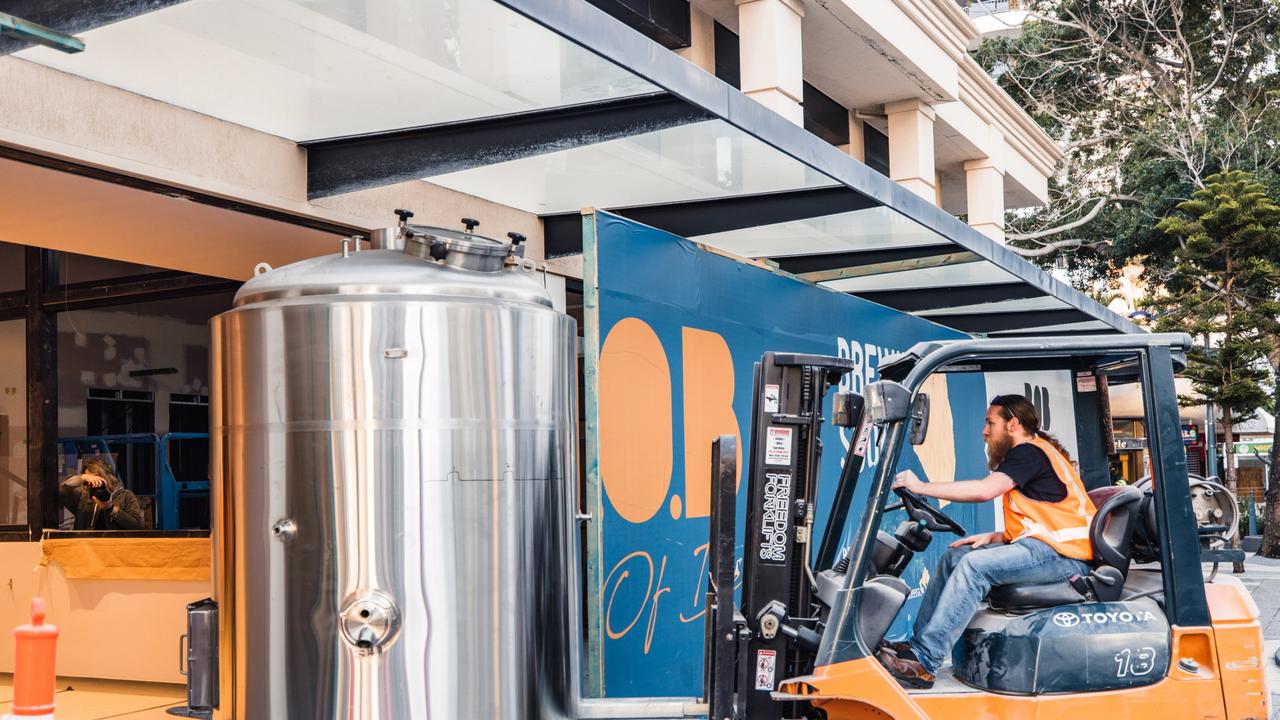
[
  {"x": 99, "y": 500},
  {"x": 1047, "y": 512}
]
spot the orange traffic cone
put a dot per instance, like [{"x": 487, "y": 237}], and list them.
[{"x": 33, "y": 671}]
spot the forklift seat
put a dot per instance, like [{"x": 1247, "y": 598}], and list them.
[{"x": 1111, "y": 534}]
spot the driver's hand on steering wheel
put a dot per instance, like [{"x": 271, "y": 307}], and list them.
[
  {"x": 908, "y": 481},
  {"x": 979, "y": 540}
]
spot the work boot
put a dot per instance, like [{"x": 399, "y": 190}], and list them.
[
  {"x": 907, "y": 670},
  {"x": 901, "y": 648}
]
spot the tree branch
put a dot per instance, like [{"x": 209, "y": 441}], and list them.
[
  {"x": 1053, "y": 247},
  {"x": 1083, "y": 220}
]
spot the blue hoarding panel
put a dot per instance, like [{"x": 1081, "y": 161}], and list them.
[{"x": 680, "y": 328}]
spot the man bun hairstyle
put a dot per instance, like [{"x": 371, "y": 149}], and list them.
[{"x": 1017, "y": 406}]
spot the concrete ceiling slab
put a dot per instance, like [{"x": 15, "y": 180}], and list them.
[{"x": 62, "y": 211}]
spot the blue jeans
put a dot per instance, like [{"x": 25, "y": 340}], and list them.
[{"x": 963, "y": 578}]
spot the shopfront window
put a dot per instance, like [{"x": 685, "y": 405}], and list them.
[
  {"x": 133, "y": 384},
  {"x": 13, "y": 423}
]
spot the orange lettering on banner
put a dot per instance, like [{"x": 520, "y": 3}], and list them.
[
  {"x": 708, "y": 413},
  {"x": 635, "y": 420}
]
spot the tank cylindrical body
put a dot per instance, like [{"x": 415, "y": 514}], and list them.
[{"x": 394, "y": 462}]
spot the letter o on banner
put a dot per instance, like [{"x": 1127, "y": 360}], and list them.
[{"x": 635, "y": 420}]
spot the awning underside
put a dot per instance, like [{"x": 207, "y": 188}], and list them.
[{"x": 475, "y": 96}]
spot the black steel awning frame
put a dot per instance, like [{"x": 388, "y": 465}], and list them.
[
  {"x": 614, "y": 41},
  {"x": 687, "y": 94}
]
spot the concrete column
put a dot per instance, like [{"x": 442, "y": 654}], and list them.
[
  {"x": 984, "y": 186},
  {"x": 702, "y": 41},
  {"x": 857, "y": 143},
  {"x": 770, "y": 56},
  {"x": 911, "y": 147}
]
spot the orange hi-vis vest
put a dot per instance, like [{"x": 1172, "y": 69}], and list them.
[{"x": 1062, "y": 525}]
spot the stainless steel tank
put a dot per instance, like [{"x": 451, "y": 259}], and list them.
[{"x": 394, "y": 463}]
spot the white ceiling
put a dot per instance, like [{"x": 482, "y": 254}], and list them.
[{"x": 61, "y": 211}]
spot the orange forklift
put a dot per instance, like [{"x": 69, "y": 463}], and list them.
[{"x": 1145, "y": 635}]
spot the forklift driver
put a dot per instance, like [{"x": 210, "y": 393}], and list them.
[{"x": 1045, "y": 538}]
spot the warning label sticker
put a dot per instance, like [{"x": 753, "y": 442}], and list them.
[
  {"x": 777, "y": 448},
  {"x": 864, "y": 439},
  {"x": 771, "y": 398},
  {"x": 1086, "y": 382},
  {"x": 766, "y": 668}
]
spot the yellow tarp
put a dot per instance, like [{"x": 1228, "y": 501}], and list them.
[{"x": 130, "y": 558}]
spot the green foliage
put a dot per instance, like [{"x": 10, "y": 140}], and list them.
[
  {"x": 1223, "y": 282},
  {"x": 1148, "y": 98}
]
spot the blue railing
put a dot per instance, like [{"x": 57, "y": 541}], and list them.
[{"x": 168, "y": 489}]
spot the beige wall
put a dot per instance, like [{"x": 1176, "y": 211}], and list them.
[
  {"x": 68, "y": 117},
  {"x": 121, "y": 629}
]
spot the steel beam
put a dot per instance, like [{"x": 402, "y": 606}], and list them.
[
  {"x": 16, "y": 27},
  {"x": 42, "y": 393},
  {"x": 347, "y": 164},
  {"x": 610, "y": 39},
  {"x": 1044, "y": 333},
  {"x": 563, "y": 232},
  {"x": 922, "y": 299},
  {"x": 894, "y": 266},
  {"x": 818, "y": 262},
  {"x": 996, "y": 322},
  {"x": 73, "y": 16},
  {"x": 665, "y": 22},
  {"x": 135, "y": 289}
]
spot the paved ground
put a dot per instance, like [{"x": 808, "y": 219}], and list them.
[
  {"x": 1262, "y": 577},
  {"x": 89, "y": 699}
]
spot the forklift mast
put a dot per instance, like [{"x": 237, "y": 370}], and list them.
[{"x": 774, "y": 634}]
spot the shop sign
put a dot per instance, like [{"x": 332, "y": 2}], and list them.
[
  {"x": 1250, "y": 447},
  {"x": 1190, "y": 434}
]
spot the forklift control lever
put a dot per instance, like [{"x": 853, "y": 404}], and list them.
[{"x": 772, "y": 620}]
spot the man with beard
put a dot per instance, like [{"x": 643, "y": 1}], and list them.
[{"x": 1045, "y": 538}]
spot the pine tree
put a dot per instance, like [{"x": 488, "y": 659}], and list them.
[{"x": 1224, "y": 284}]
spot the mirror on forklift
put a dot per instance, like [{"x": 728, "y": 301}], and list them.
[
  {"x": 887, "y": 402},
  {"x": 919, "y": 418}
]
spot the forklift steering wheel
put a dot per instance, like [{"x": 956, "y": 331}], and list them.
[{"x": 917, "y": 507}]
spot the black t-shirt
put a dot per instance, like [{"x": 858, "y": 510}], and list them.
[{"x": 1031, "y": 472}]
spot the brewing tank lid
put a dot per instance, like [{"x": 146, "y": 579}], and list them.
[{"x": 463, "y": 241}]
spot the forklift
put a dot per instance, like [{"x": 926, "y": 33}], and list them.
[{"x": 1144, "y": 635}]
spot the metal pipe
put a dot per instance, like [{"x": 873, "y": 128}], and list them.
[
  {"x": 386, "y": 239},
  {"x": 642, "y": 708},
  {"x": 1210, "y": 433}
]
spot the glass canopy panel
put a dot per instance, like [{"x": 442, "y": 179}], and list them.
[
  {"x": 698, "y": 161},
  {"x": 1088, "y": 325},
  {"x": 1041, "y": 303},
  {"x": 306, "y": 70},
  {"x": 971, "y": 273},
  {"x": 870, "y": 229}
]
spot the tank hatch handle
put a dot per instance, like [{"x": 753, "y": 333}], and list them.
[
  {"x": 471, "y": 224},
  {"x": 517, "y": 243}
]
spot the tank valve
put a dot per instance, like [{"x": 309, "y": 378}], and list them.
[
  {"x": 284, "y": 529},
  {"x": 471, "y": 224},
  {"x": 369, "y": 622}
]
